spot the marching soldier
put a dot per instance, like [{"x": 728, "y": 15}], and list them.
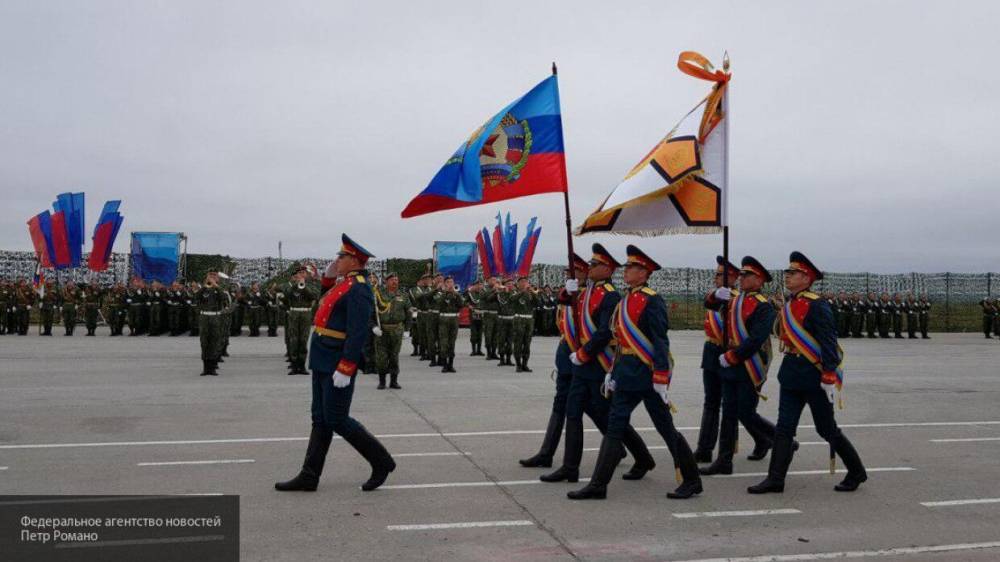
[
  {"x": 212, "y": 301},
  {"x": 91, "y": 296},
  {"x": 523, "y": 305},
  {"x": 569, "y": 342},
  {"x": 591, "y": 363},
  {"x": 641, "y": 374},
  {"x": 70, "y": 298},
  {"x": 339, "y": 334},
  {"x": 924, "y": 308},
  {"x": 416, "y": 324},
  {"x": 300, "y": 300},
  {"x": 898, "y": 309},
  {"x": 490, "y": 309},
  {"x": 47, "y": 306},
  {"x": 505, "y": 323},
  {"x": 472, "y": 298},
  {"x": 809, "y": 374},
  {"x": 750, "y": 319},
  {"x": 447, "y": 303},
  {"x": 873, "y": 311},
  {"x": 393, "y": 308},
  {"x": 989, "y": 311},
  {"x": 710, "y": 373}
]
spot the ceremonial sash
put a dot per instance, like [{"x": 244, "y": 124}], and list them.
[
  {"x": 589, "y": 327},
  {"x": 330, "y": 299},
  {"x": 631, "y": 337},
  {"x": 568, "y": 328},
  {"x": 806, "y": 344},
  {"x": 713, "y": 327},
  {"x": 756, "y": 366}
]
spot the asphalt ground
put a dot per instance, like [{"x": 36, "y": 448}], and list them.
[{"x": 126, "y": 415}]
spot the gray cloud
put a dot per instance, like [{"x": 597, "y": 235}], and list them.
[{"x": 863, "y": 132}]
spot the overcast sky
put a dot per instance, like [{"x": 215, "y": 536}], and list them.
[{"x": 863, "y": 133}]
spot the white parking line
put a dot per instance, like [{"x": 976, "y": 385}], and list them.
[
  {"x": 446, "y": 454},
  {"x": 176, "y": 463},
  {"x": 810, "y": 472},
  {"x": 752, "y": 513},
  {"x": 4, "y": 467},
  {"x": 854, "y": 553},
  {"x": 481, "y": 484},
  {"x": 965, "y": 440},
  {"x": 445, "y": 434},
  {"x": 960, "y": 502},
  {"x": 466, "y": 525}
]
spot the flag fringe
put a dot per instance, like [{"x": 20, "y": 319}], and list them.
[{"x": 578, "y": 231}]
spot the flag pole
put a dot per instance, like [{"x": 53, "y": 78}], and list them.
[
  {"x": 569, "y": 222},
  {"x": 725, "y": 209}
]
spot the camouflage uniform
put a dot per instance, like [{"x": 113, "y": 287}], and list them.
[
  {"x": 473, "y": 298},
  {"x": 117, "y": 309},
  {"x": 299, "y": 301},
  {"x": 393, "y": 309},
  {"x": 416, "y": 329},
  {"x": 212, "y": 302},
  {"x": 431, "y": 325},
  {"x": 505, "y": 327},
  {"x": 255, "y": 305},
  {"x": 136, "y": 300},
  {"x": 46, "y": 308},
  {"x": 489, "y": 306},
  {"x": 522, "y": 305},
  {"x": 274, "y": 312},
  {"x": 25, "y": 301},
  {"x": 6, "y": 302},
  {"x": 70, "y": 298},
  {"x": 448, "y": 302},
  {"x": 91, "y": 295}
]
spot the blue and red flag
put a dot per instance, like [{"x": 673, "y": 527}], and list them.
[
  {"x": 499, "y": 262},
  {"x": 71, "y": 205},
  {"x": 518, "y": 152},
  {"x": 105, "y": 233},
  {"x": 40, "y": 230},
  {"x": 523, "y": 248},
  {"x": 62, "y": 256},
  {"x": 39, "y": 281},
  {"x": 485, "y": 252},
  {"x": 528, "y": 253}
]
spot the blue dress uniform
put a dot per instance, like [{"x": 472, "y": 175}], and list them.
[
  {"x": 340, "y": 332},
  {"x": 569, "y": 331},
  {"x": 804, "y": 370},
  {"x": 749, "y": 324},
  {"x": 594, "y": 306},
  {"x": 708, "y": 434},
  {"x": 643, "y": 359}
]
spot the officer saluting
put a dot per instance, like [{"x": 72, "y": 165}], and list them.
[
  {"x": 641, "y": 373},
  {"x": 340, "y": 330},
  {"x": 808, "y": 375}
]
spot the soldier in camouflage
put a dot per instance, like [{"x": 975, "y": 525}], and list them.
[
  {"x": 522, "y": 305},
  {"x": 489, "y": 308},
  {"x": 448, "y": 302},
  {"x": 212, "y": 302},
  {"x": 91, "y": 295},
  {"x": 47, "y": 306},
  {"x": 473, "y": 296},
  {"x": 505, "y": 323},
  {"x": 70, "y": 298},
  {"x": 393, "y": 307},
  {"x": 299, "y": 301}
]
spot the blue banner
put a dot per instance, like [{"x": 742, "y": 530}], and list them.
[
  {"x": 155, "y": 256},
  {"x": 459, "y": 260}
]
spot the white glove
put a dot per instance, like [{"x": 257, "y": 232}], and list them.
[
  {"x": 340, "y": 380},
  {"x": 572, "y": 285},
  {"x": 608, "y": 387},
  {"x": 723, "y": 293},
  {"x": 128, "y": 300},
  {"x": 722, "y": 362},
  {"x": 661, "y": 389},
  {"x": 574, "y": 359},
  {"x": 377, "y": 331},
  {"x": 29, "y": 307},
  {"x": 829, "y": 389},
  {"x": 413, "y": 314}
]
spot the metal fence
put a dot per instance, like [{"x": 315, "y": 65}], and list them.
[{"x": 954, "y": 296}]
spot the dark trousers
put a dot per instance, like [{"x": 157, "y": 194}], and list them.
[
  {"x": 739, "y": 404},
  {"x": 584, "y": 397},
  {"x": 709, "y": 432},
  {"x": 623, "y": 402},
  {"x": 790, "y": 406},
  {"x": 331, "y": 406}
]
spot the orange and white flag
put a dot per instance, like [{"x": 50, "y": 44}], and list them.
[{"x": 679, "y": 187}]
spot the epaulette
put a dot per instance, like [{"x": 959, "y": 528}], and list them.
[
  {"x": 360, "y": 279},
  {"x": 609, "y": 287},
  {"x": 760, "y": 297},
  {"x": 809, "y": 295},
  {"x": 648, "y": 291}
]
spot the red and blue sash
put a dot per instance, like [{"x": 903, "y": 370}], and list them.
[
  {"x": 606, "y": 358},
  {"x": 806, "y": 344},
  {"x": 330, "y": 299},
  {"x": 568, "y": 328},
  {"x": 713, "y": 326},
  {"x": 756, "y": 366},
  {"x": 630, "y": 336}
]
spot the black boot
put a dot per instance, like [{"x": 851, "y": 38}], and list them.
[
  {"x": 473, "y": 354},
  {"x": 205, "y": 367},
  {"x": 643, "y": 459},
  {"x": 519, "y": 369},
  {"x": 707, "y": 435},
  {"x": 451, "y": 364},
  {"x": 607, "y": 460},
  {"x": 549, "y": 444},
  {"x": 684, "y": 459},
  {"x": 416, "y": 351},
  {"x": 434, "y": 361},
  {"x": 381, "y": 381},
  {"x": 763, "y": 438},
  {"x": 723, "y": 463},
  {"x": 781, "y": 458},
  {"x": 375, "y": 453},
  {"x": 524, "y": 366},
  {"x": 393, "y": 377},
  {"x": 570, "y": 469},
  {"x": 308, "y": 478},
  {"x": 212, "y": 366},
  {"x": 856, "y": 473}
]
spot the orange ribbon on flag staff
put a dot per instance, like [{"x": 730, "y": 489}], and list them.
[{"x": 696, "y": 65}]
